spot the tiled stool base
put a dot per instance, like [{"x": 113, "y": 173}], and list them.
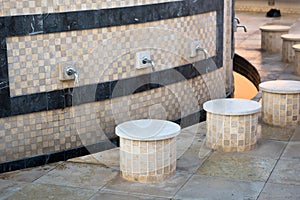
[
  {"x": 297, "y": 62},
  {"x": 231, "y": 133},
  {"x": 288, "y": 53},
  {"x": 281, "y": 109},
  {"x": 147, "y": 161},
  {"x": 271, "y": 41}
]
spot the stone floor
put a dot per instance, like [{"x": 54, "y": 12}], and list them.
[{"x": 271, "y": 171}]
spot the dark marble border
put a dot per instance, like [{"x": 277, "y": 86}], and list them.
[{"x": 81, "y": 20}]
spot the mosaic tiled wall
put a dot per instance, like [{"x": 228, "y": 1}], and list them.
[
  {"x": 14, "y": 7},
  {"x": 41, "y": 114},
  {"x": 53, "y": 131},
  {"x": 105, "y": 54}
]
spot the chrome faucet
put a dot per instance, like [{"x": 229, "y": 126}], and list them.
[
  {"x": 237, "y": 24},
  {"x": 70, "y": 71},
  {"x": 146, "y": 60},
  {"x": 198, "y": 48}
]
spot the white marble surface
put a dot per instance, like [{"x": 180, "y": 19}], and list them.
[
  {"x": 292, "y": 37},
  {"x": 296, "y": 47},
  {"x": 280, "y": 86},
  {"x": 232, "y": 106},
  {"x": 147, "y": 130},
  {"x": 275, "y": 28}
]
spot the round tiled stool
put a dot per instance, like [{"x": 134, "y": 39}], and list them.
[
  {"x": 288, "y": 40},
  {"x": 281, "y": 102},
  {"x": 296, "y": 48},
  {"x": 231, "y": 124},
  {"x": 147, "y": 149},
  {"x": 270, "y": 37}
]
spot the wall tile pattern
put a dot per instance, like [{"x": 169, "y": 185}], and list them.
[
  {"x": 147, "y": 161},
  {"x": 52, "y": 131},
  {"x": 104, "y": 54},
  {"x": 281, "y": 109},
  {"x": 231, "y": 133},
  {"x": 13, "y": 7}
]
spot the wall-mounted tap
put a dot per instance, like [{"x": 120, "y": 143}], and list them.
[
  {"x": 72, "y": 72},
  {"x": 146, "y": 60},
  {"x": 237, "y": 24},
  {"x": 198, "y": 48},
  {"x": 195, "y": 47}
]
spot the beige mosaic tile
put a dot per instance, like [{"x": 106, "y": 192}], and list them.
[
  {"x": 13, "y": 7},
  {"x": 34, "y": 61}
]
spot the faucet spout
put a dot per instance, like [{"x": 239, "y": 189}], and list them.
[
  {"x": 146, "y": 60},
  {"x": 198, "y": 48},
  {"x": 242, "y": 26}
]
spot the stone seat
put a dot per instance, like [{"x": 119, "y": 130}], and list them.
[
  {"x": 270, "y": 37},
  {"x": 147, "y": 149},
  {"x": 281, "y": 102},
  {"x": 231, "y": 124},
  {"x": 288, "y": 40},
  {"x": 296, "y": 48}
]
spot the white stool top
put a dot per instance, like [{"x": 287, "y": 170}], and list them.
[
  {"x": 275, "y": 28},
  {"x": 280, "y": 86},
  {"x": 292, "y": 37},
  {"x": 147, "y": 130},
  {"x": 296, "y": 47},
  {"x": 232, "y": 106}
]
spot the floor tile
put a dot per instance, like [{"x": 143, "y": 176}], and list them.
[
  {"x": 79, "y": 175},
  {"x": 166, "y": 189},
  {"x": 109, "y": 158},
  {"x": 280, "y": 191},
  {"x": 202, "y": 187},
  {"x": 193, "y": 157},
  {"x": 276, "y": 133},
  {"x": 123, "y": 196},
  {"x": 292, "y": 150},
  {"x": 268, "y": 148},
  {"x": 55, "y": 192},
  {"x": 29, "y": 174},
  {"x": 237, "y": 166},
  {"x": 287, "y": 172},
  {"x": 8, "y": 188}
]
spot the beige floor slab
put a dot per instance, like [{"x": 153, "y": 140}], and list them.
[
  {"x": 276, "y": 133},
  {"x": 237, "y": 166},
  {"x": 123, "y": 196},
  {"x": 292, "y": 150},
  {"x": 29, "y": 174},
  {"x": 79, "y": 175},
  {"x": 109, "y": 158},
  {"x": 55, "y": 192},
  {"x": 8, "y": 188},
  {"x": 286, "y": 172},
  {"x": 280, "y": 191},
  {"x": 267, "y": 148},
  {"x": 214, "y": 188},
  {"x": 165, "y": 189}
]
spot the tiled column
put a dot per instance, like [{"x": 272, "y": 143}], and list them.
[
  {"x": 281, "y": 102},
  {"x": 231, "y": 133},
  {"x": 288, "y": 40},
  {"x": 231, "y": 124},
  {"x": 297, "y": 59},
  {"x": 147, "y": 161},
  {"x": 270, "y": 37}
]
